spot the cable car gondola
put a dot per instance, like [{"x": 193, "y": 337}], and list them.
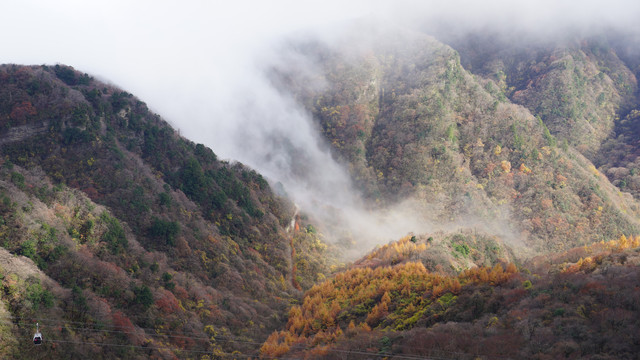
[{"x": 37, "y": 338}]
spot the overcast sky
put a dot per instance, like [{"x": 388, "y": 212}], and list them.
[
  {"x": 165, "y": 52},
  {"x": 185, "y": 57},
  {"x": 194, "y": 62},
  {"x": 173, "y": 54}
]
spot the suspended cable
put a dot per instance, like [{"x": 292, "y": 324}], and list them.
[
  {"x": 294, "y": 347},
  {"x": 217, "y": 338},
  {"x": 131, "y": 346},
  {"x": 152, "y": 332}
]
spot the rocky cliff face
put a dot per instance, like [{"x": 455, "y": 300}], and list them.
[{"x": 23, "y": 132}]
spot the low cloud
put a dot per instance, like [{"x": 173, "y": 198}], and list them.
[{"x": 200, "y": 65}]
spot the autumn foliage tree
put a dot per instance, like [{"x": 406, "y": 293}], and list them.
[{"x": 391, "y": 298}]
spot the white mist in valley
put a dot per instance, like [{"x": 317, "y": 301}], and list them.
[{"x": 275, "y": 135}]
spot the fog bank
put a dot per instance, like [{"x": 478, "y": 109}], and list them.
[{"x": 201, "y": 65}]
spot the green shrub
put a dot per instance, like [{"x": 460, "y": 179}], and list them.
[
  {"x": 17, "y": 179},
  {"x": 166, "y": 231},
  {"x": 28, "y": 249},
  {"x": 143, "y": 295},
  {"x": 462, "y": 249},
  {"x": 38, "y": 295},
  {"x": 114, "y": 236}
]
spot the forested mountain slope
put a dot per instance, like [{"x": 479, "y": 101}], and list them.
[
  {"x": 125, "y": 240},
  {"x": 578, "y": 304},
  {"x": 584, "y": 87},
  {"x": 488, "y": 133},
  {"x": 411, "y": 122},
  {"x": 130, "y": 235}
]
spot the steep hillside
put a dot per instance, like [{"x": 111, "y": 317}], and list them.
[
  {"x": 578, "y": 86},
  {"x": 620, "y": 156},
  {"x": 583, "y": 87},
  {"x": 508, "y": 149},
  {"x": 411, "y": 122},
  {"x": 137, "y": 241},
  {"x": 447, "y": 253},
  {"x": 579, "y": 304}
]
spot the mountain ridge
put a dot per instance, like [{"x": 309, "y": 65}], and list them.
[
  {"x": 141, "y": 230},
  {"x": 448, "y": 138},
  {"x": 158, "y": 247}
]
